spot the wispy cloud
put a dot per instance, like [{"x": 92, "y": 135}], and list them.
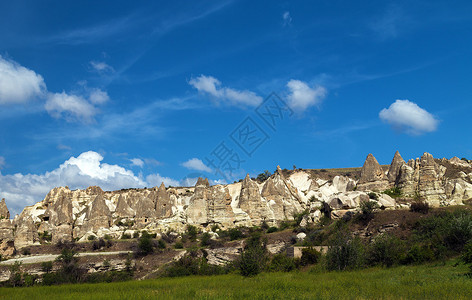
[
  {"x": 287, "y": 18},
  {"x": 211, "y": 86},
  {"x": 2, "y": 162}
]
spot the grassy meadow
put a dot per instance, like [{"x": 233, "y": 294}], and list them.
[{"x": 430, "y": 281}]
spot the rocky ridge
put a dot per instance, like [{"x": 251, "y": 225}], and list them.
[{"x": 77, "y": 214}]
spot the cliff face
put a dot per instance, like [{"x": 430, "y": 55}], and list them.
[{"x": 75, "y": 215}]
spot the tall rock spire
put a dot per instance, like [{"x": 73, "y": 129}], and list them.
[
  {"x": 371, "y": 171},
  {"x": 4, "y": 212},
  {"x": 394, "y": 170}
]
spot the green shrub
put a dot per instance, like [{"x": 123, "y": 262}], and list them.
[
  {"x": 253, "y": 259},
  {"x": 309, "y": 256},
  {"x": 235, "y": 234},
  {"x": 179, "y": 245},
  {"x": 161, "y": 244},
  {"x": 282, "y": 263},
  {"x": 272, "y": 229},
  {"x": 385, "y": 250},
  {"x": 394, "y": 192},
  {"x": 91, "y": 238},
  {"x": 373, "y": 196},
  {"x": 145, "y": 245},
  {"x": 263, "y": 176},
  {"x": 418, "y": 254},
  {"x": 126, "y": 236},
  {"x": 46, "y": 266},
  {"x": 345, "y": 253},
  {"x": 205, "y": 239},
  {"x": 192, "y": 232},
  {"x": 189, "y": 265},
  {"x": 466, "y": 256},
  {"x": 367, "y": 210},
  {"x": 135, "y": 234}
]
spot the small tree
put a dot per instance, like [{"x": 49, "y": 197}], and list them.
[
  {"x": 145, "y": 245},
  {"x": 263, "y": 176},
  {"x": 253, "y": 259}
]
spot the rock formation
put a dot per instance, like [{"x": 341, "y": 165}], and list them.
[
  {"x": 163, "y": 203},
  {"x": 394, "y": 170},
  {"x": 250, "y": 200},
  {"x": 77, "y": 214},
  {"x": 4, "y": 212},
  {"x": 372, "y": 175}
]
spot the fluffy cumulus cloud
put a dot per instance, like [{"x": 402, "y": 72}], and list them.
[
  {"x": 19, "y": 84},
  {"x": 407, "y": 116},
  {"x": 301, "y": 96},
  {"x": 77, "y": 172},
  {"x": 212, "y": 86},
  {"x": 196, "y": 164}
]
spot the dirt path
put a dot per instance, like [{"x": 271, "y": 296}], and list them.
[{"x": 51, "y": 257}]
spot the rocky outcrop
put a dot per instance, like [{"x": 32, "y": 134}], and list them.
[
  {"x": 163, "y": 203},
  {"x": 371, "y": 170},
  {"x": 123, "y": 210},
  {"x": 282, "y": 197},
  {"x": 395, "y": 166},
  {"x": 197, "y": 211},
  {"x": 219, "y": 205},
  {"x": 372, "y": 175},
  {"x": 431, "y": 180},
  {"x": 26, "y": 233},
  {"x": 77, "y": 214},
  {"x": 4, "y": 212},
  {"x": 251, "y": 202}
]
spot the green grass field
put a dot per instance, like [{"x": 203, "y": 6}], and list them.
[{"x": 434, "y": 281}]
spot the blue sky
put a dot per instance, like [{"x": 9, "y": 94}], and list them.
[{"x": 126, "y": 94}]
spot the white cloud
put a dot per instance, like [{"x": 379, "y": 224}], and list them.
[
  {"x": 97, "y": 96},
  {"x": 101, "y": 67},
  {"x": 287, "y": 18},
  {"x": 70, "y": 107},
  {"x": 302, "y": 96},
  {"x": 156, "y": 180},
  {"x": 2, "y": 162},
  {"x": 137, "y": 162},
  {"x": 77, "y": 172},
  {"x": 19, "y": 84},
  {"x": 408, "y": 116},
  {"x": 196, "y": 164},
  {"x": 212, "y": 86}
]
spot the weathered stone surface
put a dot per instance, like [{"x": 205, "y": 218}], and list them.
[
  {"x": 282, "y": 197},
  {"x": 163, "y": 203},
  {"x": 197, "y": 211},
  {"x": 430, "y": 185},
  {"x": 371, "y": 170},
  {"x": 4, "y": 212},
  {"x": 59, "y": 209},
  {"x": 123, "y": 210},
  {"x": 26, "y": 233},
  {"x": 62, "y": 233},
  {"x": 394, "y": 170},
  {"x": 386, "y": 201},
  {"x": 219, "y": 205},
  {"x": 7, "y": 248},
  {"x": 458, "y": 191},
  {"x": 459, "y": 162},
  {"x": 347, "y": 200},
  {"x": 250, "y": 200}
]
